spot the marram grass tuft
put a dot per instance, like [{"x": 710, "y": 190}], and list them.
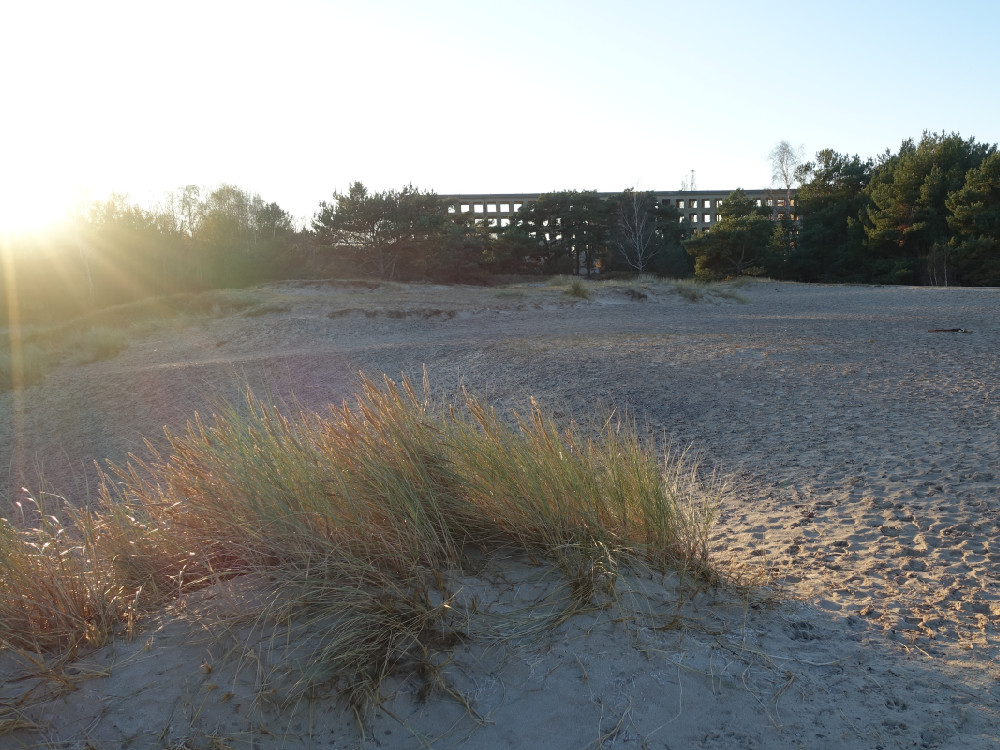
[{"x": 353, "y": 518}]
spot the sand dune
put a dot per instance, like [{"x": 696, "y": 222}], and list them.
[{"x": 865, "y": 448}]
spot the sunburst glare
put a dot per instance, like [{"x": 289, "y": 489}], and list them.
[{"x": 27, "y": 209}]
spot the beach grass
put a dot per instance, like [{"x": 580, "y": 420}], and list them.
[
  {"x": 356, "y": 518},
  {"x": 694, "y": 290},
  {"x": 640, "y": 286},
  {"x": 577, "y": 289}
]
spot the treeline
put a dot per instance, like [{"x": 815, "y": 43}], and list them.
[
  {"x": 412, "y": 235},
  {"x": 118, "y": 252},
  {"x": 928, "y": 214}
]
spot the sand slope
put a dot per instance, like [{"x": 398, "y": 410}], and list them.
[{"x": 867, "y": 452}]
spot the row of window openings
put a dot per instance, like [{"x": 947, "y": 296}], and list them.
[
  {"x": 549, "y": 236},
  {"x": 505, "y": 208},
  {"x": 717, "y": 202},
  {"x": 707, "y": 218},
  {"x": 683, "y": 203},
  {"x": 488, "y": 208},
  {"x": 693, "y": 218}
]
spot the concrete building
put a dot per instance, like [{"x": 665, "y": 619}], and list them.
[{"x": 699, "y": 209}]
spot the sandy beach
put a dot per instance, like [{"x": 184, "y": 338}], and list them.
[{"x": 863, "y": 447}]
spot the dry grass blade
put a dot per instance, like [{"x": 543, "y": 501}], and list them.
[{"x": 57, "y": 589}]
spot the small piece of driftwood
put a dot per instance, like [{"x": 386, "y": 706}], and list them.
[{"x": 947, "y": 330}]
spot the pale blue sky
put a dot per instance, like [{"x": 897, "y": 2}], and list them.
[{"x": 297, "y": 99}]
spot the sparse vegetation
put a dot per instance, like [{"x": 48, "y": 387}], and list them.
[
  {"x": 692, "y": 291},
  {"x": 98, "y": 344},
  {"x": 104, "y": 333},
  {"x": 354, "y": 518},
  {"x": 183, "y": 306},
  {"x": 509, "y": 294},
  {"x": 700, "y": 291},
  {"x": 637, "y": 294},
  {"x": 571, "y": 286},
  {"x": 578, "y": 290},
  {"x": 21, "y": 366},
  {"x": 260, "y": 310}
]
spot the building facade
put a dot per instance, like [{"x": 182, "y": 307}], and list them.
[{"x": 699, "y": 209}]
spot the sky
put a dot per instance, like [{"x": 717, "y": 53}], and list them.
[{"x": 297, "y": 99}]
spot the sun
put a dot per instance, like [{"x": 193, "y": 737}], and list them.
[{"x": 31, "y": 210}]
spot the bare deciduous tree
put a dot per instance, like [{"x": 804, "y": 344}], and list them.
[
  {"x": 636, "y": 232},
  {"x": 784, "y": 163}
]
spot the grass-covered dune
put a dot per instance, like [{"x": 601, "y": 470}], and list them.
[{"x": 356, "y": 518}]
